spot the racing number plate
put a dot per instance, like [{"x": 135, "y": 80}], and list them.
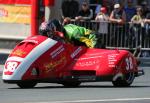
[{"x": 10, "y": 67}]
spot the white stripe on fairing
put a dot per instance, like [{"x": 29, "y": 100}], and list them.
[
  {"x": 30, "y": 58},
  {"x": 19, "y": 59}
]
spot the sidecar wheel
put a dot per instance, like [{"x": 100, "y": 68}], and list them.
[
  {"x": 26, "y": 84},
  {"x": 126, "y": 81}
]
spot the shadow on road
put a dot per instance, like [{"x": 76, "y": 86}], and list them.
[{"x": 87, "y": 86}]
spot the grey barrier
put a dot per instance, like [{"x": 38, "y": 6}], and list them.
[{"x": 121, "y": 36}]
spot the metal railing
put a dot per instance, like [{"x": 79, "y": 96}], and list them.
[{"x": 122, "y": 36}]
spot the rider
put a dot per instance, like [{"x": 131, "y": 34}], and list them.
[
  {"x": 51, "y": 29},
  {"x": 74, "y": 34}
]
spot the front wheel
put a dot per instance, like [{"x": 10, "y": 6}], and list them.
[
  {"x": 26, "y": 84},
  {"x": 125, "y": 81}
]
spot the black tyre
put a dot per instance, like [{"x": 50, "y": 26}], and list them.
[
  {"x": 126, "y": 81},
  {"x": 71, "y": 84},
  {"x": 26, "y": 84}
]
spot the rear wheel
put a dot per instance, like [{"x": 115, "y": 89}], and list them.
[
  {"x": 71, "y": 84},
  {"x": 126, "y": 81},
  {"x": 27, "y": 84}
]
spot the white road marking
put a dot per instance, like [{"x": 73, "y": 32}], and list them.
[{"x": 102, "y": 100}]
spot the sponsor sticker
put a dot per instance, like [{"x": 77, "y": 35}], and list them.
[
  {"x": 76, "y": 52},
  {"x": 88, "y": 63},
  {"x": 54, "y": 64},
  {"x": 18, "y": 52},
  {"x": 57, "y": 51},
  {"x": 112, "y": 60}
]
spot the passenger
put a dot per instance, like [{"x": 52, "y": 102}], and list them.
[
  {"x": 77, "y": 35},
  {"x": 80, "y": 35}
]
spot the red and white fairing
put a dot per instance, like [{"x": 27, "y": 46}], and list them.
[
  {"x": 42, "y": 59},
  {"x": 24, "y": 55}
]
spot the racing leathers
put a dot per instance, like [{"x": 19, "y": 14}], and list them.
[{"x": 80, "y": 35}]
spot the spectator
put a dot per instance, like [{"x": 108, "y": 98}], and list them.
[
  {"x": 117, "y": 15},
  {"x": 130, "y": 10},
  {"x": 144, "y": 6},
  {"x": 146, "y": 33},
  {"x": 96, "y": 5},
  {"x": 102, "y": 18},
  {"x": 137, "y": 19},
  {"x": 109, "y": 5},
  {"x": 118, "y": 18},
  {"x": 118, "y": 1},
  {"x": 147, "y": 19},
  {"x": 95, "y": 1},
  {"x": 85, "y": 13},
  {"x": 137, "y": 23},
  {"x": 97, "y": 9},
  {"x": 147, "y": 28},
  {"x": 50, "y": 10},
  {"x": 148, "y": 16},
  {"x": 69, "y": 9}
]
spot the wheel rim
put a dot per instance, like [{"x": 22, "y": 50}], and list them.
[
  {"x": 125, "y": 81},
  {"x": 129, "y": 77}
]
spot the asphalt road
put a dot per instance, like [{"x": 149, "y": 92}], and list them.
[{"x": 100, "y": 92}]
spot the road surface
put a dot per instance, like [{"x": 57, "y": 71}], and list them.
[{"x": 99, "y": 92}]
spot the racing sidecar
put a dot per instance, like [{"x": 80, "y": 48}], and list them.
[{"x": 39, "y": 59}]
